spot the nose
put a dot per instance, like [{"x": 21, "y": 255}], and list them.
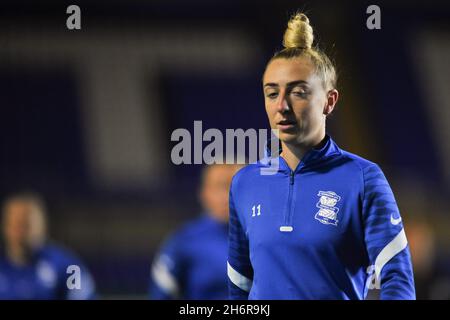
[{"x": 282, "y": 103}]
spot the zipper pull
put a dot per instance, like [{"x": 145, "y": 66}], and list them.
[
  {"x": 292, "y": 177},
  {"x": 286, "y": 228}
]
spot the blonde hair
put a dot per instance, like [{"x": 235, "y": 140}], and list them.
[{"x": 298, "y": 42}]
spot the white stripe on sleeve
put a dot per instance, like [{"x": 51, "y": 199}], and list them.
[
  {"x": 392, "y": 248},
  {"x": 238, "y": 279},
  {"x": 164, "y": 279}
]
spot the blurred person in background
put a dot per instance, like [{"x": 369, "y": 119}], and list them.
[
  {"x": 30, "y": 266},
  {"x": 192, "y": 262},
  {"x": 431, "y": 263}
]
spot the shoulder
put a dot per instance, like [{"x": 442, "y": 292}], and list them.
[
  {"x": 188, "y": 230},
  {"x": 246, "y": 174},
  {"x": 371, "y": 175},
  {"x": 59, "y": 258},
  {"x": 357, "y": 161},
  {"x": 58, "y": 254},
  {"x": 196, "y": 226},
  {"x": 364, "y": 167}
]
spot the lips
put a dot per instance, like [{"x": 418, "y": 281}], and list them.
[
  {"x": 286, "y": 122},
  {"x": 285, "y": 125}
]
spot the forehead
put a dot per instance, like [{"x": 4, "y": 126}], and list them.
[
  {"x": 20, "y": 209},
  {"x": 282, "y": 71},
  {"x": 219, "y": 172}
]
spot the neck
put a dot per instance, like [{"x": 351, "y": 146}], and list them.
[
  {"x": 219, "y": 218},
  {"x": 293, "y": 153},
  {"x": 17, "y": 254}
]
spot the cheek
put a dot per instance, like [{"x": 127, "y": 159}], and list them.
[
  {"x": 308, "y": 116},
  {"x": 319, "y": 102},
  {"x": 270, "y": 111},
  {"x": 313, "y": 110},
  {"x": 304, "y": 112}
]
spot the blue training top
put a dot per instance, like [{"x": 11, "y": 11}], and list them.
[
  {"x": 52, "y": 273},
  {"x": 330, "y": 229},
  {"x": 192, "y": 264}
]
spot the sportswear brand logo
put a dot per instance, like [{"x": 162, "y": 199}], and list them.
[{"x": 327, "y": 213}]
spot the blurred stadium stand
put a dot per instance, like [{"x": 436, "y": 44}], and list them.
[{"x": 86, "y": 116}]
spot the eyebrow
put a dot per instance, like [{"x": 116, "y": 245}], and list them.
[{"x": 289, "y": 84}]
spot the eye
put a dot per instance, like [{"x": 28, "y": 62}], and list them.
[
  {"x": 272, "y": 95},
  {"x": 300, "y": 93}
]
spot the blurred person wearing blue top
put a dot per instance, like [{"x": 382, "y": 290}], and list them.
[
  {"x": 192, "y": 262},
  {"x": 30, "y": 266}
]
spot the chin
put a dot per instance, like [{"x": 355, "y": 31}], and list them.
[{"x": 289, "y": 137}]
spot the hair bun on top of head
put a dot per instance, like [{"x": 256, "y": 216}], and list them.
[{"x": 299, "y": 33}]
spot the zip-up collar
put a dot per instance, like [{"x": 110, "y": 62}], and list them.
[{"x": 311, "y": 157}]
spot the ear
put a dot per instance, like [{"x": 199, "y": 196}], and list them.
[{"x": 332, "y": 98}]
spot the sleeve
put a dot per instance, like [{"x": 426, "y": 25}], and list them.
[
  {"x": 391, "y": 268},
  {"x": 239, "y": 268},
  {"x": 166, "y": 272}
]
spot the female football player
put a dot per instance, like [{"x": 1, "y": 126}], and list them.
[{"x": 326, "y": 224}]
